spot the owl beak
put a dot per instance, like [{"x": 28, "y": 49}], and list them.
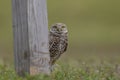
[{"x": 60, "y": 29}]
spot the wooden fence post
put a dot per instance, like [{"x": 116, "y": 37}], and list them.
[{"x": 30, "y": 27}]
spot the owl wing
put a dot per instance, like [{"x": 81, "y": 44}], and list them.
[
  {"x": 53, "y": 49},
  {"x": 53, "y": 45},
  {"x": 57, "y": 47},
  {"x": 64, "y": 45}
]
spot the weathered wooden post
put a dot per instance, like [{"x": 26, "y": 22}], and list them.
[{"x": 30, "y": 27}]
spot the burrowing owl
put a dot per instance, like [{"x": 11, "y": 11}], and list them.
[{"x": 58, "y": 41}]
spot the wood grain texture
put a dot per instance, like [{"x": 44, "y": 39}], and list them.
[
  {"x": 30, "y": 27},
  {"x": 38, "y": 36}
]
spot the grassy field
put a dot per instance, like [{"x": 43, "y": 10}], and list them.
[{"x": 81, "y": 71}]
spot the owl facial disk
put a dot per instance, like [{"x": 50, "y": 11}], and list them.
[{"x": 59, "y": 28}]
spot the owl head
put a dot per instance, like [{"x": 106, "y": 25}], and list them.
[{"x": 59, "y": 28}]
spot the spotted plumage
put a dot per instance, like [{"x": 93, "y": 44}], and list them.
[{"x": 58, "y": 41}]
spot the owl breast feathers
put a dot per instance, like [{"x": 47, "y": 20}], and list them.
[{"x": 58, "y": 41}]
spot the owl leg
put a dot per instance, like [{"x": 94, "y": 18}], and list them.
[
  {"x": 51, "y": 65},
  {"x": 54, "y": 67}
]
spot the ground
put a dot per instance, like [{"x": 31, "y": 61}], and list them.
[{"x": 75, "y": 71}]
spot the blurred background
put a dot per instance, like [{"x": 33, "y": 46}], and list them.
[{"x": 94, "y": 28}]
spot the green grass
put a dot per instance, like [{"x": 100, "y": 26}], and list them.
[
  {"x": 93, "y": 26},
  {"x": 81, "y": 71}
]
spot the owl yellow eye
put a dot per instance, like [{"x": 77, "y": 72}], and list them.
[
  {"x": 54, "y": 26},
  {"x": 63, "y": 26}
]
